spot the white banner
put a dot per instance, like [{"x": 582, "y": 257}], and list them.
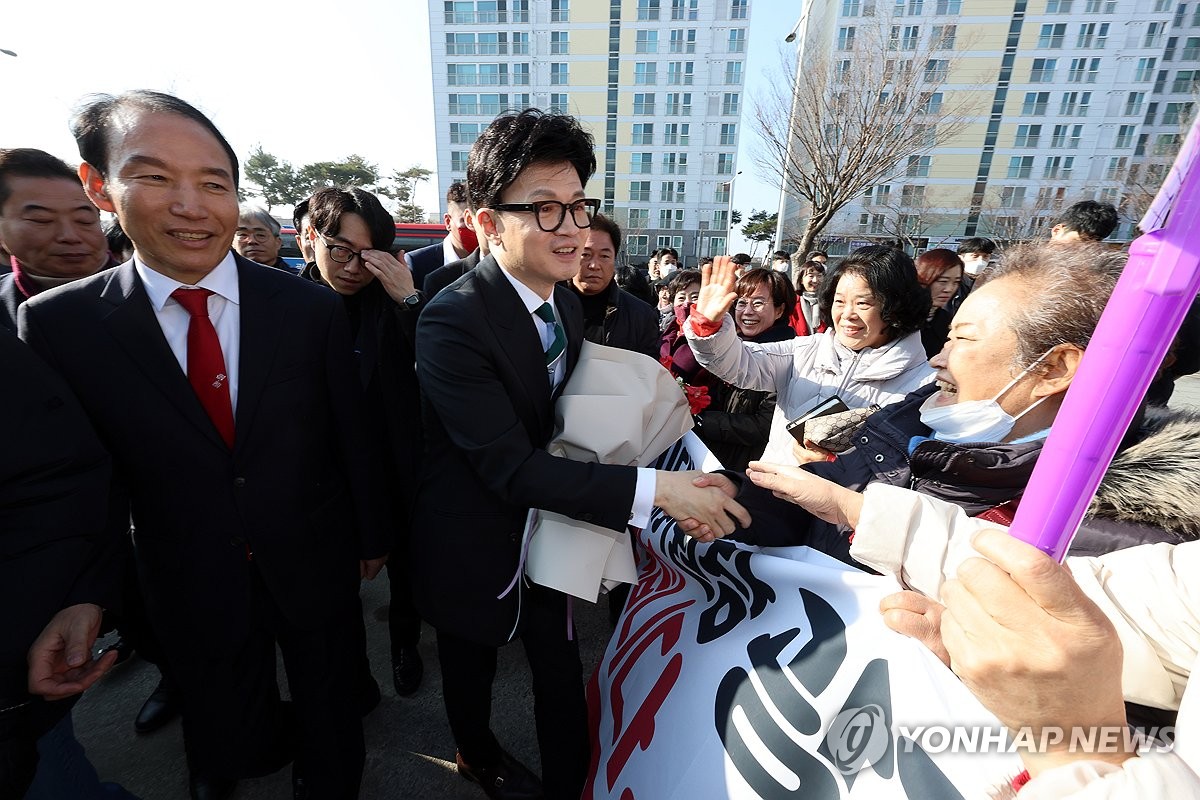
[{"x": 745, "y": 673}]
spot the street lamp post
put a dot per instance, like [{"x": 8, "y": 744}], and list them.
[
  {"x": 800, "y": 31},
  {"x": 729, "y": 214}
]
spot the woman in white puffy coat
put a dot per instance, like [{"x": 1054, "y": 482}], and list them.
[{"x": 871, "y": 354}]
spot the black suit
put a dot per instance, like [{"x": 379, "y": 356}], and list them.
[
  {"x": 54, "y": 483},
  {"x": 489, "y": 414},
  {"x": 424, "y": 261},
  {"x": 443, "y": 276},
  {"x": 236, "y": 549}
]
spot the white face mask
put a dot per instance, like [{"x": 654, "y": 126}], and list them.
[{"x": 975, "y": 420}]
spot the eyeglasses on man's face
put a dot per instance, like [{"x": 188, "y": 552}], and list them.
[
  {"x": 550, "y": 214},
  {"x": 339, "y": 253},
  {"x": 259, "y": 236}
]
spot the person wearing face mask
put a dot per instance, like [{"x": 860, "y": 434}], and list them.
[
  {"x": 737, "y": 424},
  {"x": 675, "y": 353},
  {"x": 870, "y": 355},
  {"x": 461, "y": 239},
  {"x": 976, "y": 254},
  {"x": 973, "y": 438}
]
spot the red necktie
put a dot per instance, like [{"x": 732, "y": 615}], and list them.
[{"x": 205, "y": 363}]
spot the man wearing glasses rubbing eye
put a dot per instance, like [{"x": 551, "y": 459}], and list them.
[{"x": 493, "y": 351}]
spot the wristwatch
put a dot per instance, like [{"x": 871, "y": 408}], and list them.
[{"x": 413, "y": 300}]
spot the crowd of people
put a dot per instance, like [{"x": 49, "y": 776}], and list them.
[{"x": 215, "y": 448}]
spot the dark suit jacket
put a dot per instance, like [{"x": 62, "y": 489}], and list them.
[
  {"x": 424, "y": 261},
  {"x": 442, "y": 277},
  {"x": 11, "y": 298},
  {"x": 292, "y": 490},
  {"x": 54, "y": 483},
  {"x": 489, "y": 414}
]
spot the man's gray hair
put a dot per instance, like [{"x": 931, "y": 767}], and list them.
[
  {"x": 256, "y": 213},
  {"x": 1068, "y": 286}
]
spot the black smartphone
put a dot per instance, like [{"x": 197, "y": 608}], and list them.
[{"x": 830, "y": 405}]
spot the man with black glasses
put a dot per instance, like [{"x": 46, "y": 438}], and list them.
[{"x": 493, "y": 352}]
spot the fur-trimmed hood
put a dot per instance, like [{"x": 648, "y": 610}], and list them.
[{"x": 1156, "y": 482}]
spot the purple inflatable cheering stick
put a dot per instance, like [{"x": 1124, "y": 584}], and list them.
[{"x": 1141, "y": 319}]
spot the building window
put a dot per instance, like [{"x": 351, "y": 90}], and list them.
[
  {"x": 647, "y": 9},
  {"x": 851, "y": 8},
  {"x": 1116, "y": 169},
  {"x": 1058, "y": 167},
  {"x": 912, "y": 195},
  {"x": 725, "y": 163},
  {"x": 845, "y": 38},
  {"x": 918, "y": 167},
  {"x": 1020, "y": 166},
  {"x": 737, "y": 8},
  {"x": 1051, "y": 36},
  {"x": 683, "y": 41},
  {"x": 915, "y": 7},
  {"x": 641, "y": 163},
  {"x": 462, "y": 75},
  {"x": 1093, "y": 34},
  {"x": 1075, "y": 104},
  {"x": 637, "y": 245},
  {"x": 730, "y": 103},
  {"x": 681, "y": 73},
  {"x": 458, "y": 160},
  {"x": 1145, "y": 70},
  {"x": 1185, "y": 81},
  {"x": 520, "y": 44},
  {"x": 1124, "y": 138},
  {"x": 1167, "y": 144},
  {"x": 560, "y": 43},
  {"x": 643, "y": 133},
  {"x": 1154, "y": 34},
  {"x": 733, "y": 73},
  {"x": 493, "y": 44},
  {"x": 460, "y": 44},
  {"x": 679, "y": 104},
  {"x": 464, "y": 104},
  {"x": 678, "y": 133},
  {"x": 559, "y": 76},
  {"x": 728, "y": 134},
  {"x": 1058, "y": 6},
  {"x": 1100, "y": 6},
  {"x": 645, "y": 73},
  {"x": 944, "y": 36},
  {"x": 949, "y": 7},
  {"x": 672, "y": 192},
  {"x": 639, "y": 218},
  {"x": 1035, "y": 104},
  {"x": 464, "y": 132},
  {"x": 520, "y": 74},
  {"x": 1133, "y": 103},
  {"x": 670, "y": 219},
  {"x": 560, "y": 10},
  {"x": 931, "y": 103},
  {"x": 1051, "y": 197},
  {"x": 639, "y": 191},
  {"x": 1191, "y": 49},
  {"x": 936, "y": 70},
  {"x": 684, "y": 9},
  {"x": 1012, "y": 196},
  {"x": 1084, "y": 70},
  {"x": 1066, "y": 136},
  {"x": 643, "y": 104},
  {"x": 674, "y": 163},
  {"x": 1177, "y": 114},
  {"x": 737, "y": 40},
  {"x": 518, "y": 11},
  {"x": 1027, "y": 136},
  {"x": 559, "y": 104},
  {"x": 1043, "y": 70},
  {"x": 647, "y": 42}
]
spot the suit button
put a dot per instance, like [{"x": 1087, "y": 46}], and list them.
[{"x": 239, "y": 482}]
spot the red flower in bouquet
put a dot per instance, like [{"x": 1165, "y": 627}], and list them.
[{"x": 697, "y": 397}]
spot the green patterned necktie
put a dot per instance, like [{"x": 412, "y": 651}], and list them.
[{"x": 546, "y": 314}]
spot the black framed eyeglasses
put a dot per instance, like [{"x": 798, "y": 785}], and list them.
[
  {"x": 339, "y": 253},
  {"x": 551, "y": 213}
]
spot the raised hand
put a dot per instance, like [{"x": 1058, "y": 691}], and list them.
[
  {"x": 717, "y": 288},
  {"x": 391, "y": 271}
]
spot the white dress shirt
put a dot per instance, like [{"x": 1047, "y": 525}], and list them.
[
  {"x": 223, "y": 310},
  {"x": 647, "y": 480}
]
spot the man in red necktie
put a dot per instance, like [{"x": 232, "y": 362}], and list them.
[{"x": 222, "y": 389}]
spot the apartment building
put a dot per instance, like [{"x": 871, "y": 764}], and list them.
[
  {"x": 658, "y": 83},
  {"x": 1074, "y": 99}
]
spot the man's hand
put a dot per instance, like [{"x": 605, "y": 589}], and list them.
[
  {"x": 821, "y": 498},
  {"x": 391, "y": 271},
  {"x": 717, "y": 288},
  {"x": 916, "y": 616},
  {"x": 1032, "y": 647},
  {"x": 703, "y": 501},
  {"x": 60, "y": 660},
  {"x": 368, "y": 568}
]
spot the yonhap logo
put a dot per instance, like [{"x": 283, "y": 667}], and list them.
[{"x": 857, "y": 738}]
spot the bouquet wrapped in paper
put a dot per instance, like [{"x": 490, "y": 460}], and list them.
[{"x": 618, "y": 407}]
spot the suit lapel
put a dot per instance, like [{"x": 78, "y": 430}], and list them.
[
  {"x": 134, "y": 326},
  {"x": 262, "y": 325},
  {"x": 513, "y": 326}
]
